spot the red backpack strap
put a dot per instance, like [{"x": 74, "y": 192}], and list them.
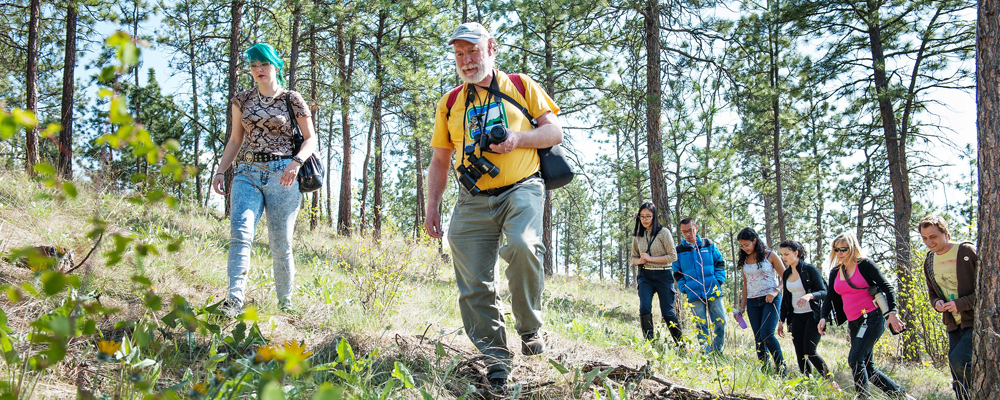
[
  {"x": 518, "y": 83},
  {"x": 452, "y": 97}
]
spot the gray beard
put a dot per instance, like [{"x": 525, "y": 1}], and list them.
[{"x": 484, "y": 71}]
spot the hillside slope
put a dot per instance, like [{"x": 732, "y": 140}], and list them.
[{"x": 378, "y": 317}]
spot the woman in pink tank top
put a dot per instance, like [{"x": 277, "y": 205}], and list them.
[{"x": 851, "y": 277}]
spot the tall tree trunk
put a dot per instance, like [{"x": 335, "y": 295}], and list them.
[
  {"x": 902, "y": 205},
  {"x": 236, "y": 11},
  {"x": 65, "y": 164},
  {"x": 550, "y": 88},
  {"x": 293, "y": 65},
  {"x": 195, "y": 126},
  {"x": 776, "y": 133},
  {"x": 363, "y": 217},
  {"x": 346, "y": 71},
  {"x": 329, "y": 169},
  {"x": 141, "y": 166},
  {"x": 418, "y": 222},
  {"x": 314, "y": 105},
  {"x": 986, "y": 356},
  {"x": 31, "y": 87},
  {"x": 654, "y": 93},
  {"x": 377, "y": 123}
]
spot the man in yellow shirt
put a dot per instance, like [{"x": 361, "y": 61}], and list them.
[{"x": 499, "y": 199}]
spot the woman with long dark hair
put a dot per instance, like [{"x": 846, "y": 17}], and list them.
[
  {"x": 853, "y": 277},
  {"x": 804, "y": 292},
  {"x": 653, "y": 252},
  {"x": 265, "y": 175},
  {"x": 761, "y": 297}
]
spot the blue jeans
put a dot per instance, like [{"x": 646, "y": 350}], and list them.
[
  {"x": 960, "y": 361},
  {"x": 256, "y": 188},
  {"x": 763, "y": 320},
  {"x": 860, "y": 356},
  {"x": 659, "y": 282},
  {"x": 717, "y": 310},
  {"x": 479, "y": 225}
]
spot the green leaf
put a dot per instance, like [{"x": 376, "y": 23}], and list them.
[
  {"x": 426, "y": 396},
  {"x": 69, "y": 189},
  {"x": 7, "y": 347},
  {"x": 142, "y": 280},
  {"x": 329, "y": 392},
  {"x": 45, "y": 169},
  {"x": 344, "y": 352},
  {"x": 108, "y": 75},
  {"x": 403, "y": 374},
  {"x": 8, "y": 127},
  {"x": 53, "y": 283},
  {"x": 119, "y": 111},
  {"x": 152, "y": 301},
  {"x": 559, "y": 367},
  {"x": 272, "y": 391},
  {"x": 172, "y": 145},
  {"x": 25, "y": 118},
  {"x": 439, "y": 349}
]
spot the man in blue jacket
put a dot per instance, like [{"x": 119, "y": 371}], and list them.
[{"x": 700, "y": 273}]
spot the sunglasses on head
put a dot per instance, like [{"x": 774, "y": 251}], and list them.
[{"x": 841, "y": 249}]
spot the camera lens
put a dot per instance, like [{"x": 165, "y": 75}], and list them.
[{"x": 498, "y": 134}]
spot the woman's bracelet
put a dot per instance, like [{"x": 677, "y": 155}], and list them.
[{"x": 220, "y": 173}]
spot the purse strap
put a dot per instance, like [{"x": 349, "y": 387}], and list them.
[
  {"x": 296, "y": 132},
  {"x": 843, "y": 274}
]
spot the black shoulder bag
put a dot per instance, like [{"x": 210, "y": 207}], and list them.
[
  {"x": 554, "y": 165},
  {"x": 311, "y": 172}
]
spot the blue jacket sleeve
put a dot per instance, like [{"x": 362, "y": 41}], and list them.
[
  {"x": 720, "y": 266},
  {"x": 679, "y": 275}
]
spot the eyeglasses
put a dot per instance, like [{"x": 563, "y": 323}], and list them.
[
  {"x": 746, "y": 246},
  {"x": 841, "y": 249},
  {"x": 645, "y": 217},
  {"x": 259, "y": 65}
]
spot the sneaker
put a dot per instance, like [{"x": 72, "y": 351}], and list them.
[
  {"x": 287, "y": 307},
  {"x": 532, "y": 344},
  {"x": 498, "y": 387}
]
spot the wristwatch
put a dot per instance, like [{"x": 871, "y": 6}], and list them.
[{"x": 299, "y": 160}]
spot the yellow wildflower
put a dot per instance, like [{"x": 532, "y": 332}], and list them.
[
  {"x": 298, "y": 349},
  {"x": 107, "y": 349},
  {"x": 198, "y": 391},
  {"x": 264, "y": 354}
]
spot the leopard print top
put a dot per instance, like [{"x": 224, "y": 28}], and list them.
[{"x": 266, "y": 128}]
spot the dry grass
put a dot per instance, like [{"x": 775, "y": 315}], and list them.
[{"x": 587, "y": 321}]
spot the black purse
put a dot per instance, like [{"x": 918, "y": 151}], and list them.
[
  {"x": 553, "y": 163},
  {"x": 311, "y": 172}
]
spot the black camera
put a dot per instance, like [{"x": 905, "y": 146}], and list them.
[
  {"x": 478, "y": 166},
  {"x": 496, "y": 135}
]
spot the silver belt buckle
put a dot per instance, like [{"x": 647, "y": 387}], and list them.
[{"x": 248, "y": 156}]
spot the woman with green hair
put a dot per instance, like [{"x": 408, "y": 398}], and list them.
[{"x": 265, "y": 174}]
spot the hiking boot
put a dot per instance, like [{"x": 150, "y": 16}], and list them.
[
  {"x": 231, "y": 308},
  {"x": 674, "y": 326},
  {"x": 498, "y": 387},
  {"x": 287, "y": 307},
  {"x": 646, "y": 323},
  {"x": 532, "y": 344}
]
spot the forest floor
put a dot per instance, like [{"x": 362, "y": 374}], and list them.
[{"x": 393, "y": 300}]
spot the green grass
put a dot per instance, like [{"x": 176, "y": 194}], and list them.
[{"x": 382, "y": 296}]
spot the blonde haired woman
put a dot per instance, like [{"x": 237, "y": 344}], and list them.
[{"x": 851, "y": 277}]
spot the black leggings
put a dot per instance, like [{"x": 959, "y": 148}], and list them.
[{"x": 805, "y": 338}]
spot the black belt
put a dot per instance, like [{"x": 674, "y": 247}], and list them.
[
  {"x": 498, "y": 191},
  {"x": 252, "y": 156}
]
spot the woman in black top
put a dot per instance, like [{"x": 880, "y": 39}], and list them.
[{"x": 805, "y": 289}]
